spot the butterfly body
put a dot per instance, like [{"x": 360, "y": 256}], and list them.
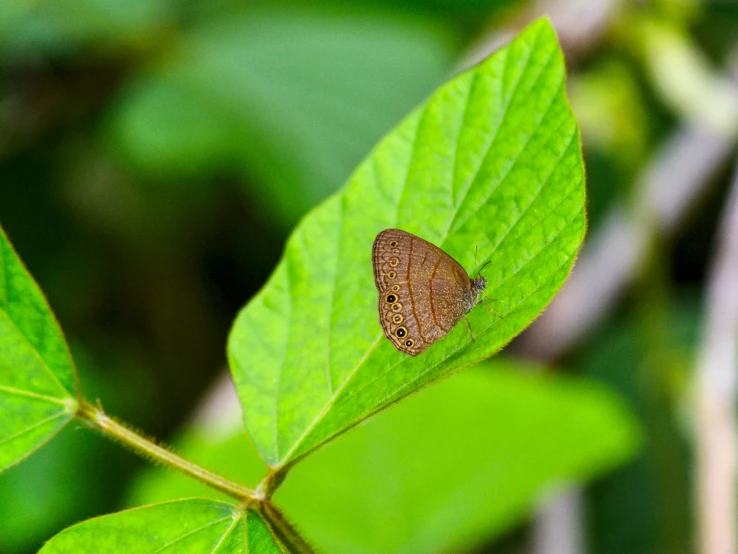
[{"x": 423, "y": 292}]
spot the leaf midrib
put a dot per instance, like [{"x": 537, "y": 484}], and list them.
[
  {"x": 34, "y": 426},
  {"x": 236, "y": 521},
  {"x": 192, "y": 532},
  {"x": 30, "y": 394}
]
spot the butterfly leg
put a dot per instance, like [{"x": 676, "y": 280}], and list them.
[
  {"x": 468, "y": 326},
  {"x": 487, "y": 305}
]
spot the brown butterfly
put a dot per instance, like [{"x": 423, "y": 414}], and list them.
[{"x": 423, "y": 292}]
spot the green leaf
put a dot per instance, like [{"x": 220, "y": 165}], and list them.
[
  {"x": 38, "y": 383},
  {"x": 460, "y": 464},
  {"x": 292, "y": 99},
  {"x": 490, "y": 163},
  {"x": 194, "y": 525}
]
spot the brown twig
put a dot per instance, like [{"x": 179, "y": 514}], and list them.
[{"x": 717, "y": 378}]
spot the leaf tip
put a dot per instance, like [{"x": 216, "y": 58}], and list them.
[{"x": 542, "y": 25}]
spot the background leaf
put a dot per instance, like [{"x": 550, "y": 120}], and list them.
[
  {"x": 193, "y": 525},
  {"x": 494, "y": 157},
  {"x": 60, "y": 28},
  {"x": 37, "y": 378},
  {"x": 461, "y": 463},
  {"x": 290, "y": 101}
]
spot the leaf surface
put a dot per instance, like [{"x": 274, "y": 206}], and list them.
[
  {"x": 491, "y": 163},
  {"x": 38, "y": 384},
  {"x": 196, "y": 526}
]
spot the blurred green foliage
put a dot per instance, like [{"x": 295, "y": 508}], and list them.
[
  {"x": 645, "y": 506},
  {"x": 148, "y": 180},
  {"x": 290, "y": 99}
]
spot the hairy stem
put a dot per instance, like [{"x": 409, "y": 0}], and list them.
[
  {"x": 283, "y": 529},
  {"x": 139, "y": 444}
]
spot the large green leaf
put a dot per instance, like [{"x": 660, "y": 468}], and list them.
[
  {"x": 38, "y": 384},
  {"x": 449, "y": 468},
  {"x": 491, "y": 162},
  {"x": 194, "y": 525}
]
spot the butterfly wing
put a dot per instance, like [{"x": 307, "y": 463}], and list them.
[{"x": 420, "y": 288}]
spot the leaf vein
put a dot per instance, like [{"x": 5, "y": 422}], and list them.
[
  {"x": 37, "y": 355},
  {"x": 334, "y": 285},
  {"x": 34, "y": 426},
  {"x": 280, "y": 369},
  {"x": 332, "y": 400},
  {"x": 501, "y": 181},
  {"x": 413, "y": 154},
  {"x": 189, "y": 534},
  {"x": 455, "y": 159},
  {"x": 225, "y": 535},
  {"x": 30, "y": 394},
  {"x": 537, "y": 194}
]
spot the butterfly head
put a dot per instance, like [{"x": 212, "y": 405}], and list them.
[
  {"x": 479, "y": 284},
  {"x": 471, "y": 296}
]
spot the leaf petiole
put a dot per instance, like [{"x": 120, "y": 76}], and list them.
[{"x": 97, "y": 418}]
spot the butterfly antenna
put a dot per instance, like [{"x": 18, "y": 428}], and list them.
[{"x": 481, "y": 268}]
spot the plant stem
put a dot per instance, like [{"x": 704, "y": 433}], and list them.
[
  {"x": 98, "y": 419},
  {"x": 717, "y": 393},
  {"x": 287, "y": 534}
]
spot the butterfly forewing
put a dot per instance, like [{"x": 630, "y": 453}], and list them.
[{"x": 421, "y": 290}]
